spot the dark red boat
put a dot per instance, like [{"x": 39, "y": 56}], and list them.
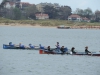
[{"x": 68, "y": 53}]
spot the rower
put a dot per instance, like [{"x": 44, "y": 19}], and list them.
[
  {"x": 48, "y": 48},
  {"x": 58, "y": 46},
  {"x": 62, "y": 49},
  {"x": 73, "y": 51},
  {"x": 10, "y": 44},
  {"x": 21, "y": 46},
  {"x": 86, "y": 50},
  {"x": 30, "y": 45},
  {"x": 41, "y": 47}
]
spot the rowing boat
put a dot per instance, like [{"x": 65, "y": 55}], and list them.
[
  {"x": 63, "y": 27},
  {"x": 5, "y": 46},
  {"x": 41, "y": 51},
  {"x": 17, "y": 47}
]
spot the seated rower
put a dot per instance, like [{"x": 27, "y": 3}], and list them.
[
  {"x": 86, "y": 50},
  {"x": 48, "y": 48},
  {"x": 62, "y": 49},
  {"x": 73, "y": 51},
  {"x": 21, "y": 46},
  {"x": 41, "y": 47},
  {"x": 10, "y": 44},
  {"x": 58, "y": 46},
  {"x": 30, "y": 46}
]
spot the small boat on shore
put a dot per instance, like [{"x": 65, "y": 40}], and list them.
[
  {"x": 41, "y": 51},
  {"x": 63, "y": 27}
]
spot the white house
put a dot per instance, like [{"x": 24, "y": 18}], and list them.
[
  {"x": 42, "y": 16},
  {"x": 74, "y": 17}
]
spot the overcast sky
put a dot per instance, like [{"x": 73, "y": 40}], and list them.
[{"x": 82, "y": 4}]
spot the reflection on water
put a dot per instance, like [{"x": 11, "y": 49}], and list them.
[{"x": 79, "y": 38}]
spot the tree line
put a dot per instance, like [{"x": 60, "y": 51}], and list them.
[{"x": 62, "y": 12}]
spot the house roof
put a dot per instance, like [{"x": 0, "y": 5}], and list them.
[
  {"x": 74, "y": 15},
  {"x": 24, "y": 3}
]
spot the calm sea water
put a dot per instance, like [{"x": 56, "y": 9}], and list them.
[
  {"x": 78, "y": 38},
  {"x": 30, "y": 62}
]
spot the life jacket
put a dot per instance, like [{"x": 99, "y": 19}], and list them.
[
  {"x": 10, "y": 44},
  {"x": 22, "y": 46},
  {"x": 41, "y": 47},
  {"x": 31, "y": 46}
]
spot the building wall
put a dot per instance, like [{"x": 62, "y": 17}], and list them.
[
  {"x": 42, "y": 16},
  {"x": 16, "y": 3},
  {"x": 75, "y": 19},
  {"x": 8, "y": 5}
]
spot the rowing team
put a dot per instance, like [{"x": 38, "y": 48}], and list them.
[
  {"x": 22, "y": 46},
  {"x": 63, "y": 50}
]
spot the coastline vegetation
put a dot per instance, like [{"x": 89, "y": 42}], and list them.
[{"x": 48, "y": 22}]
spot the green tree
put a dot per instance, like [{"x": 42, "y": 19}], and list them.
[
  {"x": 65, "y": 12},
  {"x": 30, "y": 11},
  {"x": 17, "y": 13},
  {"x": 51, "y": 11},
  {"x": 84, "y": 13},
  {"x": 79, "y": 11},
  {"x": 2, "y": 3},
  {"x": 88, "y": 13},
  {"x": 97, "y": 15}
]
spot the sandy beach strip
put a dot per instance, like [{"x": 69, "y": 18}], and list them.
[{"x": 28, "y": 25}]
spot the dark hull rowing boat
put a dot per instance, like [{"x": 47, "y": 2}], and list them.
[
  {"x": 63, "y": 27},
  {"x": 68, "y": 53}
]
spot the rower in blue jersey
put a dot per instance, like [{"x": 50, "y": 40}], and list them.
[
  {"x": 30, "y": 45},
  {"x": 41, "y": 47},
  {"x": 10, "y": 44},
  {"x": 21, "y": 46}
]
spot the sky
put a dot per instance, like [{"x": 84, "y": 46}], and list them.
[{"x": 82, "y": 4}]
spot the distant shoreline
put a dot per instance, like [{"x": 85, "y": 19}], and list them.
[
  {"x": 28, "y": 25},
  {"x": 48, "y": 26}
]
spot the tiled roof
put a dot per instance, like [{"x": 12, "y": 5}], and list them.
[
  {"x": 24, "y": 3},
  {"x": 74, "y": 15}
]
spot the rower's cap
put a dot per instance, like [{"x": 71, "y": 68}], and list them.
[
  {"x": 73, "y": 47},
  {"x": 30, "y": 44}
]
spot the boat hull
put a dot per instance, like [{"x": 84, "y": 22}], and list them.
[
  {"x": 68, "y": 53},
  {"x": 63, "y": 27},
  {"x": 16, "y": 47}
]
